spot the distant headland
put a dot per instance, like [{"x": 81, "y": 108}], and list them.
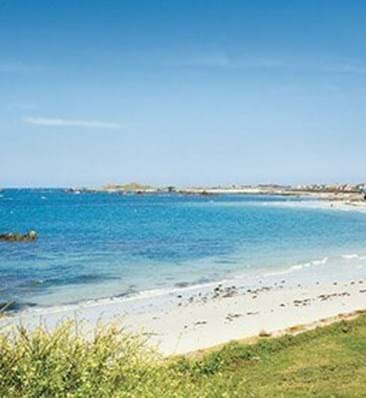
[{"x": 355, "y": 193}]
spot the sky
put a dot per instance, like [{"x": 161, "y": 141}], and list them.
[{"x": 185, "y": 93}]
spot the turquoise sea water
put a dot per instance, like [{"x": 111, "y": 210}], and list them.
[{"x": 101, "y": 245}]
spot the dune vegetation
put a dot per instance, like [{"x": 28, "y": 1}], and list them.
[{"x": 325, "y": 362}]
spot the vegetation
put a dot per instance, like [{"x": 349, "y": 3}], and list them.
[{"x": 325, "y": 362}]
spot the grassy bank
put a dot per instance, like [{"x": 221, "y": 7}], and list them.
[{"x": 325, "y": 362}]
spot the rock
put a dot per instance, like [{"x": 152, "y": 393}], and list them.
[
  {"x": 32, "y": 235},
  {"x": 231, "y": 317},
  {"x": 11, "y": 237},
  {"x": 200, "y": 323}
]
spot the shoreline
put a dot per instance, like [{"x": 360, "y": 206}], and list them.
[
  {"x": 182, "y": 324},
  {"x": 198, "y": 317},
  {"x": 295, "y": 273}
]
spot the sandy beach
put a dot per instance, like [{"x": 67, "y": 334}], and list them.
[{"x": 180, "y": 323}]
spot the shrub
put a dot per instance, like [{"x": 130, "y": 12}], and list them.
[{"x": 63, "y": 364}]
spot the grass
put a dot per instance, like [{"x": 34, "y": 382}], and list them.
[{"x": 325, "y": 362}]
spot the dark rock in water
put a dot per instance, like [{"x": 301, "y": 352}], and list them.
[{"x": 11, "y": 237}]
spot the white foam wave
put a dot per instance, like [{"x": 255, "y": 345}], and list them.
[
  {"x": 320, "y": 262},
  {"x": 350, "y": 256},
  {"x": 298, "y": 267},
  {"x": 144, "y": 294}
]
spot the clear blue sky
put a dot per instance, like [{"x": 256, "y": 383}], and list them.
[{"x": 182, "y": 92}]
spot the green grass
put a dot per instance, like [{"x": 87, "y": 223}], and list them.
[{"x": 325, "y": 362}]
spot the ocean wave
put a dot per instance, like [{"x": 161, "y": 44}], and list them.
[
  {"x": 320, "y": 262},
  {"x": 350, "y": 256},
  {"x": 178, "y": 289},
  {"x": 298, "y": 267},
  {"x": 73, "y": 280},
  {"x": 120, "y": 298}
]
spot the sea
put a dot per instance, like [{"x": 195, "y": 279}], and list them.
[{"x": 97, "y": 246}]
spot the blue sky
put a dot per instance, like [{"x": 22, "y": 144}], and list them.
[{"x": 182, "y": 92}]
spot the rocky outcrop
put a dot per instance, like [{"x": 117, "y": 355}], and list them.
[{"x": 16, "y": 237}]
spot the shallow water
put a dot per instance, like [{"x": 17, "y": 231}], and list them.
[{"x": 100, "y": 245}]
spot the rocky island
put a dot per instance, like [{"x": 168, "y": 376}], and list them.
[{"x": 18, "y": 237}]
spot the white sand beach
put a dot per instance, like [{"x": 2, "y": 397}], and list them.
[{"x": 194, "y": 320}]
